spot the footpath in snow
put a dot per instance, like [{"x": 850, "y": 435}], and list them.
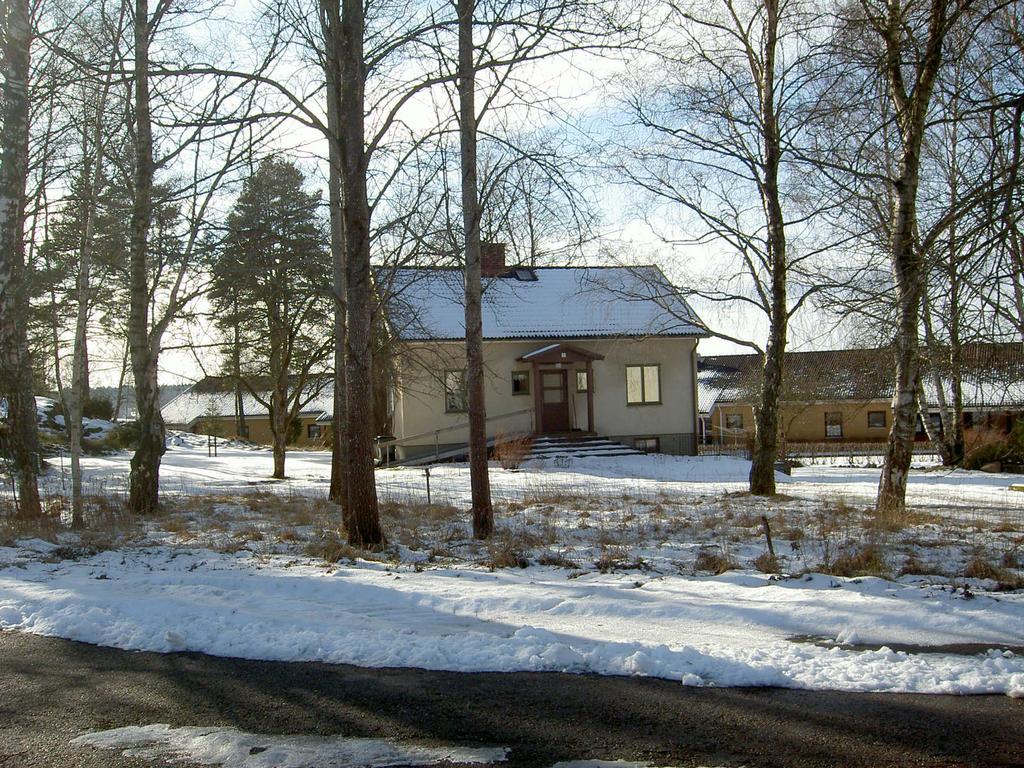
[{"x": 738, "y": 629}]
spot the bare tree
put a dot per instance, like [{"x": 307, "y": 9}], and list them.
[
  {"x": 483, "y": 512},
  {"x": 16, "y": 373},
  {"x": 724, "y": 143},
  {"x": 911, "y": 36}
]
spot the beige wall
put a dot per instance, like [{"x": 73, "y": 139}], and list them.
[
  {"x": 420, "y": 407},
  {"x": 802, "y": 423},
  {"x": 259, "y": 430}
]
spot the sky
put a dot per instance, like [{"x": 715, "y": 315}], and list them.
[{"x": 589, "y": 91}]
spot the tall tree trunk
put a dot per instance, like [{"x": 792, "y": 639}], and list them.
[
  {"x": 80, "y": 359},
  {"x": 279, "y": 427},
  {"x": 908, "y": 273},
  {"x": 911, "y": 110},
  {"x": 16, "y": 376},
  {"x": 330, "y": 24},
  {"x": 766, "y": 415},
  {"x": 483, "y": 512},
  {"x": 236, "y": 371},
  {"x": 143, "y": 496},
  {"x": 363, "y": 520}
]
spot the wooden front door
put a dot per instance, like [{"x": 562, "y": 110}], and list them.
[{"x": 554, "y": 396}]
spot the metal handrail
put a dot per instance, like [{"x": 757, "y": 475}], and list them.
[
  {"x": 460, "y": 425},
  {"x": 383, "y": 445}
]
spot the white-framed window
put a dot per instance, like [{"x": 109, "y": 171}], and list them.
[
  {"x": 833, "y": 424},
  {"x": 314, "y": 431},
  {"x": 876, "y": 420},
  {"x": 582, "y": 382},
  {"x": 455, "y": 397},
  {"x": 734, "y": 421},
  {"x": 643, "y": 384}
]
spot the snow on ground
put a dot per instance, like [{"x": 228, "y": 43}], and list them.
[
  {"x": 232, "y": 748},
  {"x": 734, "y": 629},
  {"x": 187, "y": 469},
  {"x": 617, "y": 557}
]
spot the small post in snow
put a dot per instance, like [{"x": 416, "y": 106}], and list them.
[
  {"x": 768, "y": 535},
  {"x": 426, "y": 473}
]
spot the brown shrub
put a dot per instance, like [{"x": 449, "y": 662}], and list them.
[{"x": 510, "y": 450}]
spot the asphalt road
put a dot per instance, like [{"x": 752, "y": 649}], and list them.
[{"x": 53, "y": 690}]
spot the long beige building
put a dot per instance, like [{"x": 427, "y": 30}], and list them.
[
  {"x": 568, "y": 351},
  {"x": 845, "y": 396}
]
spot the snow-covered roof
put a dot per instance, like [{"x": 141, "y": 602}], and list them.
[
  {"x": 215, "y": 395},
  {"x": 563, "y": 302}
]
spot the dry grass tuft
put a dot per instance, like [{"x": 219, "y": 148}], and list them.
[
  {"x": 330, "y": 546},
  {"x": 980, "y": 568},
  {"x": 869, "y": 560},
  {"x": 714, "y": 560},
  {"x": 506, "y": 551},
  {"x": 766, "y": 562},
  {"x": 913, "y": 567}
]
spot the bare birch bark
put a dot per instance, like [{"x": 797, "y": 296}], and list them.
[
  {"x": 766, "y": 415},
  {"x": 483, "y": 512},
  {"x": 16, "y": 372},
  {"x": 911, "y": 110},
  {"x": 145, "y": 465}
]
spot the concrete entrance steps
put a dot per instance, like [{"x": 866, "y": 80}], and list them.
[{"x": 545, "y": 447}]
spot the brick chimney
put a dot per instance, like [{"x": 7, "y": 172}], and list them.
[{"x": 492, "y": 259}]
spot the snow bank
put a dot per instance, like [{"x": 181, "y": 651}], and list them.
[
  {"x": 731, "y": 630},
  {"x": 231, "y": 748}
]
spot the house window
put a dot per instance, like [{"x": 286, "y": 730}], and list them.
[
  {"x": 455, "y": 391},
  {"x": 520, "y": 382},
  {"x": 833, "y": 424},
  {"x": 647, "y": 444},
  {"x": 582, "y": 385},
  {"x": 643, "y": 384},
  {"x": 734, "y": 421},
  {"x": 876, "y": 419},
  {"x": 314, "y": 431}
]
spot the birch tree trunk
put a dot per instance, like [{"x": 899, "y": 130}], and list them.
[
  {"x": 483, "y": 512},
  {"x": 766, "y": 415},
  {"x": 911, "y": 110},
  {"x": 363, "y": 520},
  {"x": 144, "y": 490},
  {"x": 17, "y": 379},
  {"x": 330, "y": 24}
]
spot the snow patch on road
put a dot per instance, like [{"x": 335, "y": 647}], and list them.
[{"x": 231, "y": 748}]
